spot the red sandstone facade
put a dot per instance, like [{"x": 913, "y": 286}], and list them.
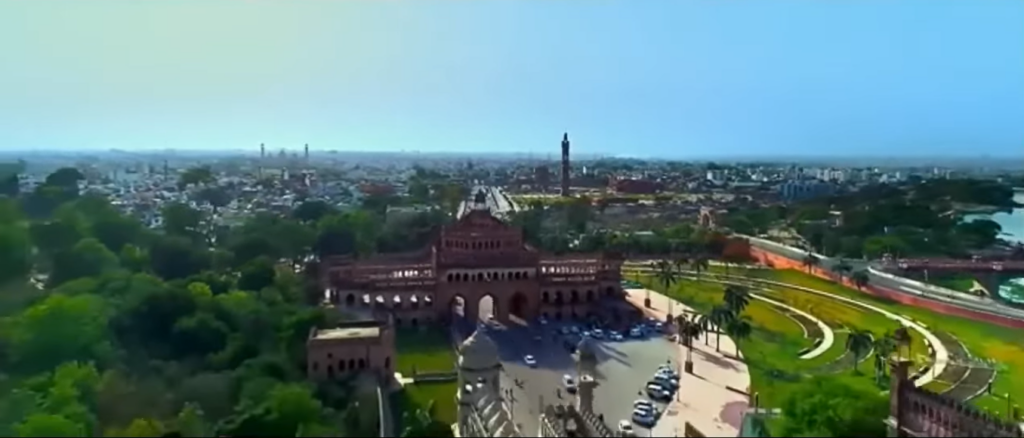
[
  {"x": 478, "y": 256},
  {"x": 780, "y": 262},
  {"x": 353, "y": 347},
  {"x": 916, "y": 412}
]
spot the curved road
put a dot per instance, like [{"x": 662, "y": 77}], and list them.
[{"x": 972, "y": 303}]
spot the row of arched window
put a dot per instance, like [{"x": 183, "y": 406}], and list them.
[
  {"x": 462, "y": 277},
  {"x": 343, "y": 366},
  {"x": 414, "y": 302},
  {"x": 476, "y": 244},
  {"x": 558, "y": 298}
]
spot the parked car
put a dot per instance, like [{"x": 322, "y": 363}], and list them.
[
  {"x": 626, "y": 428},
  {"x": 569, "y": 382},
  {"x": 530, "y": 361}
]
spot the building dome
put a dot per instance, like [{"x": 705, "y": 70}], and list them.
[
  {"x": 479, "y": 352},
  {"x": 586, "y": 350}
]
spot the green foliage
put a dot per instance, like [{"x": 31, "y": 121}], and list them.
[
  {"x": 827, "y": 407},
  {"x": 195, "y": 329}
]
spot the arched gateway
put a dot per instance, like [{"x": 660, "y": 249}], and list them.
[{"x": 478, "y": 256}]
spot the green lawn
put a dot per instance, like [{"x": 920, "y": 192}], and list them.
[
  {"x": 419, "y": 395},
  {"x": 773, "y": 349},
  {"x": 426, "y": 349},
  {"x": 1003, "y": 345},
  {"x": 962, "y": 283}
]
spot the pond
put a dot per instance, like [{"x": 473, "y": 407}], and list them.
[{"x": 1013, "y": 230}]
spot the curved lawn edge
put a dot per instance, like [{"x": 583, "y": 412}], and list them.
[{"x": 941, "y": 354}]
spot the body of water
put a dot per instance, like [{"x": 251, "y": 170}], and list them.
[{"x": 1013, "y": 230}]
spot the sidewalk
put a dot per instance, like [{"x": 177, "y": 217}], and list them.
[{"x": 705, "y": 399}]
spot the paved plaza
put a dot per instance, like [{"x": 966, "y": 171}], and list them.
[{"x": 710, "y": 399}]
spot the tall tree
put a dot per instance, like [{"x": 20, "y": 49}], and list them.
[{"x": 858, "y": 342}]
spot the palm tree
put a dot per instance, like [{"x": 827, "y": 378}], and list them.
[
  {"x": 666, "y": 274},
  {"x": 860, "y": 279},
  {"x": 738, "y": 328},
  {"x": 736, "y": 298},
  {"x": 687, "y": 330},
  {"x": 858, "y": 342},
  {"x": 810, "y": 262},
  {"x": 700, "y": 263},
  {"x": 842, "y": 269},
  {"x": 706, "y": 326},
  {"x": 680, "y": 263},
  {"x": 720, "y": 317},
  {"x": 884, "y": 346}
]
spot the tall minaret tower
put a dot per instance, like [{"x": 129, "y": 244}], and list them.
[
  {"x": 263, "y": 151},
  {"x": 565, "y": 164},
  {"x": 307, "y": 153}
]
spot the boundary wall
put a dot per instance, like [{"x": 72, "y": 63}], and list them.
[{"x": 778, "y": 261}]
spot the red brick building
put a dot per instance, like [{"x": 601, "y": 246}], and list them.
[
  {"x": 634, "y": 186},
  {"x": 478, "y": 256}
]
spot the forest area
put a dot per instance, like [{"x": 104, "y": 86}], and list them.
[{"x": 111, "y": 328}]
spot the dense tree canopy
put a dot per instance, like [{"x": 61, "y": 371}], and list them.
[
  {"x": 191, "y": 328},
  {"x": 917, "y": 219}
]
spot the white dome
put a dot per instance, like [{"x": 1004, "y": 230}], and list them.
[
  {"x": 586, "y": 350},
  {"x": 479, "y": 352}
]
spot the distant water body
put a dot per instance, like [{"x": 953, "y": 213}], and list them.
[{"x": 1013, "y": 230}]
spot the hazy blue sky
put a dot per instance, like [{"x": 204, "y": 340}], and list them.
[{"x": 650, "y": 78}]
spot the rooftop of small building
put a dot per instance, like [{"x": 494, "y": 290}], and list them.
[{"x": 346, "y": 333}]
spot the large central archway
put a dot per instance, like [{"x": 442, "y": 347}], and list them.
[
  {"x": 457, "y": 308},
  {"x": 487, "y": 308}
]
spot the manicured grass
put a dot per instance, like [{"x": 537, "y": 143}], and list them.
[
  {"x": 419, "y": 396},
  {"x": 1003, "y": 345},
  {"x": 962, "y": 283},
  {"x": 426, "y": 350},
  {"x": 772, "y": 351}
]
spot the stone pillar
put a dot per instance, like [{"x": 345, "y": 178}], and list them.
[
  {"x": 585, "y": 393},
  {"x": 899, "y": 384}
]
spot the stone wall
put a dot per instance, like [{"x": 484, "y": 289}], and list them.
[
  {"x": 919, "y": 412},
  {"x": 780, "y": 262}
]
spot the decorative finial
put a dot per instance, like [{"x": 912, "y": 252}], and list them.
[{"x": 565, "y": 137}]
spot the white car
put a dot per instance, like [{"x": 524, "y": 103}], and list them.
[
  {"x": 642, "y": 402},
  {"x": 626, "y": 428},
  {"x": 569, "y": 382},
  {"x": 530, "y": 361}
]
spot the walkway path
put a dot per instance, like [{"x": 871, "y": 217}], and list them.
[
  {"x": 714, "y": 398},
  {"x": 828, "y": 337},
  {"x": 941, "y": 353}
]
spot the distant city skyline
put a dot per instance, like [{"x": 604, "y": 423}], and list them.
[{"x": 660, "y": 79}]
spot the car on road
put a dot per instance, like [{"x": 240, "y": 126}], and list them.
[
  {"x": 626, "y": 428},
  {"x": 569, "y": 382},
  {"x": 642, "y": 402},
  {"x": 643, "y": 418},
  {"x": 666, "y": 382},
  {"x": 636, "y": 332},
  {"x": 658, "y": 392},
  {"x": 617, "y": 336},
  {"x": 530, "y": 361}
]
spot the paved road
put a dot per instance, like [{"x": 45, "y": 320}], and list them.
[
  {"x": 497, "y": 201},
  {"x": 622, "y": 372},
  {"x": 705, "y": 398},
  {"x": 989, "y": 306}
]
